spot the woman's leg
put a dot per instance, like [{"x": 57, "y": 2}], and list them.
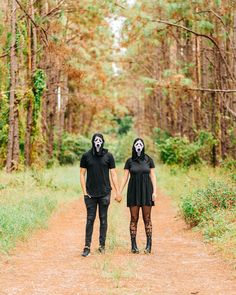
[
  {"x": 146, "y": 211},
  {"x": 134, "y": 214}
]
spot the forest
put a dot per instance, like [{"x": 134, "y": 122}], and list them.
[{"x": 162, "y": 70}]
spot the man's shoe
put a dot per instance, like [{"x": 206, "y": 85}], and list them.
[
  {"x": 86, "y": 251},
  {"x": 101, "y": 249}
]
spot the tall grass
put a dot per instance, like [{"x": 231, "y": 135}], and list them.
[
  {"x": 206, "y": 198},
  {"x": 27, "y": 200}
]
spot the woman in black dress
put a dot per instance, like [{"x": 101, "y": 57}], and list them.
[{"x": 141, "y": 191}]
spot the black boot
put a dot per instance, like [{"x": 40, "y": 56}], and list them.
[
  {"x": 148, "y": 248},
  {"x": 134, "y": 248}
]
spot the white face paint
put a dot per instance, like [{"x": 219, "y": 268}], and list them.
[
  {"x": 98, "y": 143},
  {"x": 138, "y": 147}
]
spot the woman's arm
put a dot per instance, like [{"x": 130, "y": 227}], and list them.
[
  {"x": 82, "y": 180},
  {"x": 154, "y": 180},
  {"x": 124, "y": 180},
  {"x": 115, "y": 184}
]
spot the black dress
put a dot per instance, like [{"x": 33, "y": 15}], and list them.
[{"x": 140, "y": 188}]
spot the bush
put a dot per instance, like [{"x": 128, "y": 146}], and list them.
[
  {"x": 72, "y": 148},
  {"x": 177, "y": 150},
  {"x": 121, "y": 146},
  {"x": 203, "y": 205},
  {"x": 180, "y": 151}
]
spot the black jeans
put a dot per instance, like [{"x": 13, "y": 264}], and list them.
[{"x": 91, "y": 204}]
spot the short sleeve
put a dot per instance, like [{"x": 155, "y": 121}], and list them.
[
  {"x": 151, "y": 163},
  {"x": 127, "y": 164},
  {"x": 112, "y": 163},
  {"x": 83, "y": 161}
]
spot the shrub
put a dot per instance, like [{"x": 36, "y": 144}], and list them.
[
  {"x": 121, "y": 146},
  {"x": 177, "y": 150},
  {"x": 72, "y": 148},
  {"x": 180, "y": 151},
  {"x": 202, "y": 205}
]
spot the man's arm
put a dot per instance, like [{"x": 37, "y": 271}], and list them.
[
  {"x": 114, "y": 180},
  {"x": 82, "y": 180}
]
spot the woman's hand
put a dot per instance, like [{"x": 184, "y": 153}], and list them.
[
  {"x": 118, "y": 198},
  {"x": 154, "y": 196}
]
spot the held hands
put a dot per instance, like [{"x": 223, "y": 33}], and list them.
[{"x": 118, "y": 197}]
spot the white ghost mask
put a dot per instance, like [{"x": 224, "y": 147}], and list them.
[
  {"x": 139, "y": 147},
  {"x": 98, "y": 143}
]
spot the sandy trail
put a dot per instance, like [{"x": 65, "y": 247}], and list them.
[{"x": 50, "y": 262}]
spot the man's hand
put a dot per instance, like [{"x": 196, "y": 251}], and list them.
[{"x": 118, "y": 198}]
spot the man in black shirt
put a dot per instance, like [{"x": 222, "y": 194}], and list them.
[{"x": 98, "y": 163}]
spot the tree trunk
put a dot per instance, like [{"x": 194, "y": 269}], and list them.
[
  {"x": 32, "y": 49},
  {"x": 13, "y": 136}
]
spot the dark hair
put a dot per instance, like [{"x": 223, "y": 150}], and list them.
[{"x": 134, "y": 153}]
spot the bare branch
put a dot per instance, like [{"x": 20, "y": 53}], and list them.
[
  {"x": 197, "y": 89},
  {"x": 33, "y": 22},
  {"x": 213, "y": 41},
  {"x": 231, "y": 111}
]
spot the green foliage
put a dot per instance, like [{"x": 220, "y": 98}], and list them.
[
  {"x": 180, "y": 151},
  {"x": 72, "y": 147},
  {"x": 39, "y": 85},
  {"x": 17, "y": 221},
  {"x": 27, "y": 200},
  {"x": 4, "y": 110},
  {"x": 124, "y": 124},
  {"x": 205, "y": 205},
  {"x": 206, "y": 26},
  {"x": 229, "y": 165},
  {"x": 177, "y": 150},
  {"x": 160, "y": 135},
  {"x": 121, "y": 146}
]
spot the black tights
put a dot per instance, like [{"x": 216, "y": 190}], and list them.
[{"x": 134, "y": 212}]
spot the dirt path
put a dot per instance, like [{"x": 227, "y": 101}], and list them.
[{"x": 50, "y": 263}]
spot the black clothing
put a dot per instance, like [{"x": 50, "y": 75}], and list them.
[
  {"x": 97, "y": 182},
  {"x": 134, "y": 247},
  {"x": 91, "y": 205},
  {"x": 140, "y": 188}
]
